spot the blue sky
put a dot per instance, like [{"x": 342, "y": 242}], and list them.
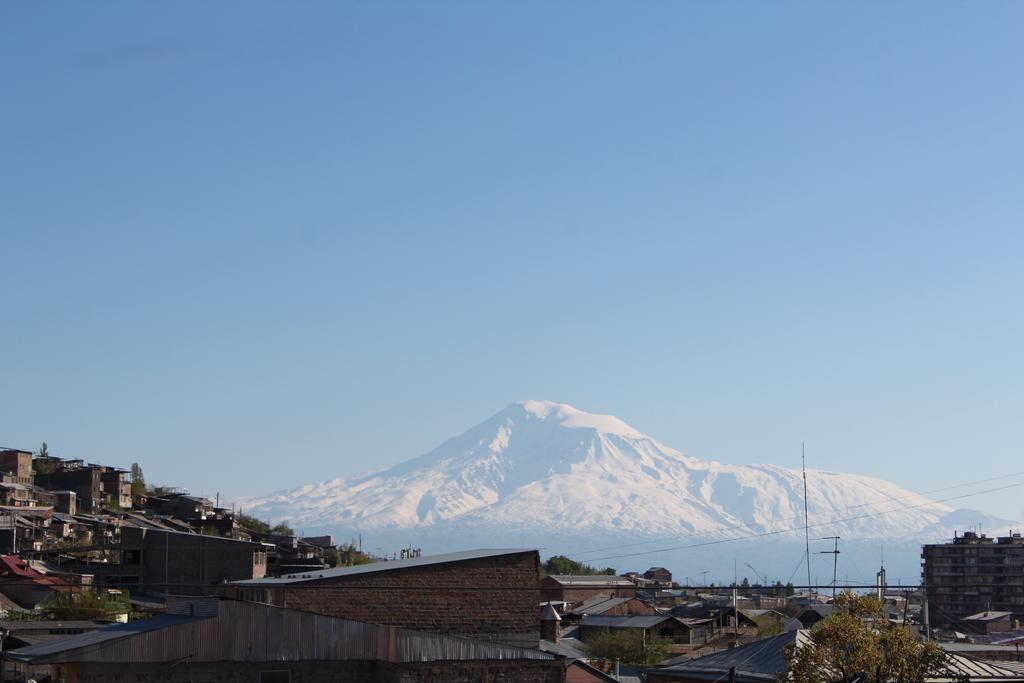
[{"x": 252, "y": 246}]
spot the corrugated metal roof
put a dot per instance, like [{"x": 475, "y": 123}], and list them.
[
  {"x": 244, "y": 631},
  {"x": 762, "y": 659},
  {"x": 962, "y": 666},
  {"x": 390, "y": 565},
  {"x": 599, "y": 605},
  {"x": 81, "y": 641},
  {"x": 566, "y": 647},
  {"x": 988, "y": 616},
  {"x": 598, "y": 621},
  {"x": 766, "y": 659}
]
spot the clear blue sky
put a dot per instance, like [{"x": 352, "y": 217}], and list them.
[{"x": 252, "y": 245}]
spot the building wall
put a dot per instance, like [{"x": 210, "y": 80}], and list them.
[
  {"x": 84, "y": 481},
  {"x": 551, "y": 589},
  {"x": 182, "y": 559},
  {"x": 184, "y": 564},
  {"x": 17, "y": 463},
  {"x": 492, "y": 597},
  {"x": 577, "y": 674}
]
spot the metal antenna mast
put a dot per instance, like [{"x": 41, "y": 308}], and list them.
[
  {"x": 835, "y": 560},
  {"x": 807, "y": 525}
]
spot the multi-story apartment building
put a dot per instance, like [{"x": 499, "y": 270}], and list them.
[{"x": 974, "y": 573}]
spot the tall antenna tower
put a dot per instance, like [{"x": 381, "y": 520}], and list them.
[
  {"x": 807, "y": 524},
  {"x": 835, "y": 559}
]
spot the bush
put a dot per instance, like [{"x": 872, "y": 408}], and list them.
[
  {"x": 629, "y": 646},
  {"x": 86, "y": 604},
  {"x": 560, "y": 564}
]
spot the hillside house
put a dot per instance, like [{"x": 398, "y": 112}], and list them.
[
  {"x": 659, "y": 576},
  {"x": 988, "y": 622},
  {"x": 16, "y": 466}
]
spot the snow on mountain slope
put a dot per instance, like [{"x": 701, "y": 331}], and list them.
[{"x": 539, "y": 465}]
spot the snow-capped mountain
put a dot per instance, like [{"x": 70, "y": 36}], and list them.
[{"x": 539, "y": 466}]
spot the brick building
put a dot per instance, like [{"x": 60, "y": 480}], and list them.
[
  {"x": 659, "y": 576},
  {"x": 972, "y": 574},
  {"x": 487, "y": 594},
  {"x": 95, "y": 486},
  {"x": 578, "y": 589},
  {"x": 17, "y": 465}
]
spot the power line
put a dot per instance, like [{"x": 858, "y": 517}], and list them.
[
  {"x": 791, "y": 530},
  {"x": 731, "y": 527}
]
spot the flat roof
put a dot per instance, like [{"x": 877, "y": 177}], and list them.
[{"x": 388, "y": 565}]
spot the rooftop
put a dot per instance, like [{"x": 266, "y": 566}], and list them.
[
  {"x": 594, "y": 580},
  {"x": 599, "y": 621},
  {"x": 988, "y": 616},
  {"x": 392, "y": 565}
]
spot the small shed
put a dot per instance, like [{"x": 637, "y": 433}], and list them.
[
  {"x": 988, "y": 622},
  {"x": 677, "y": 631}
]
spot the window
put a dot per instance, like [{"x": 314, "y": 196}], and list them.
[{"x": 275, "y": 677}]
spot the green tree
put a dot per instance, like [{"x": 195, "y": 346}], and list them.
[
  {"x": 282, "y": 529},
  {"x": 560, "y": 564},
  {"x": 252, "y": 523},
  {"x": 138, "y": 480},
  {"x": 86, "y": 604},
  {"x": 43, "y": 463},
  {"x": 745, "y": 583},
  {"x": 629, "y": 646},
  {"x": 857, "y": 641},
  {"x": 332, "y": 558},
  {"x": 349, "y": 555}
]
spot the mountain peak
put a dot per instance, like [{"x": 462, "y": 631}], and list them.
[{"x": 570, "y": 417}]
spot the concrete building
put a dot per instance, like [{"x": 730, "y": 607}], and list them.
[
  {"x": 487, "y": 594},
  {"x": 973, "y": 574},
  {"x": 162, "y": 561}
]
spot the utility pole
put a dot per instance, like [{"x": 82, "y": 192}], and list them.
[
  {"x": 927, "y": 618},
  {"x": 807, "y": 524},
  {"x": 835, "y": 559},
  {"x": 735, "y": 613}
]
